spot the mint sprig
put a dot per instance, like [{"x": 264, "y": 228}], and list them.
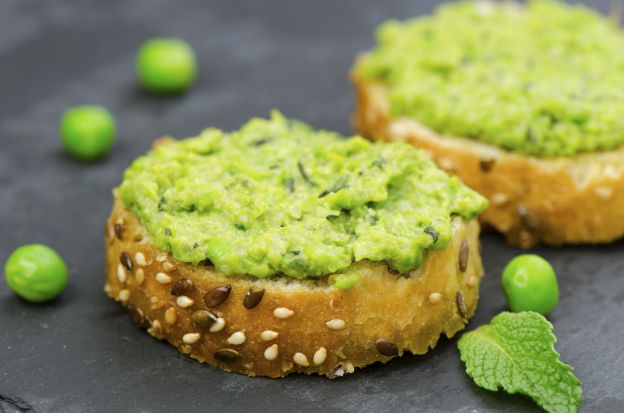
[{"x": 516, "y": 352}]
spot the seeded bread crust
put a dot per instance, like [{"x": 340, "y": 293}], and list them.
[
  {"x": 566, "y": 200},
  {"x": 297, "y": 325}
]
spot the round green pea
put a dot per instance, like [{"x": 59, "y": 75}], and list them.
[
  {"x": 166, "y": 65},
  {"x": 88, "y": 132},
  {"x": 36, "y": 273},
  {"x": 530, "y": 284}
]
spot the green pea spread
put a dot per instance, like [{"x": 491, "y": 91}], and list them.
[
  {"x": 545, "y": 79},
  {"x": 277, "y": 197}
]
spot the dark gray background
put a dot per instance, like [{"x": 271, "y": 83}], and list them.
[{"x": 81, "y": 352}]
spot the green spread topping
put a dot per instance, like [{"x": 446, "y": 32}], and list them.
[
  {"x": 277, "y": 197},
  {"x": 546, "y": 79}
]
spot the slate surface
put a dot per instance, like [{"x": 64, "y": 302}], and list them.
[{"x": 81, "y": 353}]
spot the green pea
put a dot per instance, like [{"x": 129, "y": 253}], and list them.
[
  {"x": 166, "y": 65},
  {"x": 88, "y": 132},
  {"x": 530, "y": 284},
  {"x": 36, "y": 273}
]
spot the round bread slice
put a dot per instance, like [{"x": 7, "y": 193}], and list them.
[
  {"x": 276, "y": 326},
  {"x": 565, "y": 200}
]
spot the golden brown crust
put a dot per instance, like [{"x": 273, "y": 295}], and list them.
[
  {"x": 576, "y": 199},
  {"x": 381, "y": 311}
]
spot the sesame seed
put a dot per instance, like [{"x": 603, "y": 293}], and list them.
[
  {"x": 124, "y": 295},
  {"x": 471, "y": 281},
  {"x": 184, "y": 301},
  {"x": 348, "y": 367},
  {"x": 320, "y": 356},
  {"x": 401, "y": 128},
  {"x": 301, "y": 359},
  {"x": 237, "y": 338},
  {"x": 486, "y": 165},
  {"x": 156, "y": 328},
  {"x": 120, "y": 228},
  {"x": 461, "y": 305},
  {"x": 218, "y": 325},
  {"x": 181, "y": 287},
  {"x": 139, "y": 276},
  {"x": 446, "y": 163},
  {"x": 611, "y": 170},
  {"x": 204, "y": 318},
  {"x": 137, "y": 316},
  {"x": 108, "y": 288},
  {"x": 283, "y": 313},
  {"x": 499, "y": 199},
  {"x": 435, "y": 298},
  {"x": 110, "y": 232},
  {"x": 271, "y": 352},
  {"x": 125, "y": 260},
  {"x": 139, "y": 258},
  {"x": 603, "y": 192},
  {"x": 253, "y": 297},
  {"x": 161, "y": 257},
  {"x": 268, "y": 335},
  {"x": 171, "y": 315},
  {"x": 335, "y": 324},
  {"x": 168, "y": 266},
  {"x": 527, "y": 218},
  {"x": 191, "y": 338},
  {"x": 217, "y": 295},
  {"x": 338, "y": 371},
  {"x": 387, "y": 347},
  {"x": 336, "y": 304},
  {"x": 463, "y": 256},
  {"x": 227, "y": 355},
  {"x": 163, "y": 278},
  {"x": 121, "y": 273}
]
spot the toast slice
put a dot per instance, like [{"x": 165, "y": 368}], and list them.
[
  {"x": 276, "y": 326},
  {"x": 564, "y": 200},
  {"x": 293, "y": 319}
]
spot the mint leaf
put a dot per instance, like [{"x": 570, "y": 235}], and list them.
[{"x": 516, "y": 352}]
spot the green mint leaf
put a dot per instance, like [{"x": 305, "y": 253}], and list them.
[{"x": 516, "y": 352}]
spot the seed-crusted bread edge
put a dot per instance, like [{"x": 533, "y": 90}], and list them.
[
  {"x": 277, "y": 326},
  {"x": 565, "y": 200}
]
